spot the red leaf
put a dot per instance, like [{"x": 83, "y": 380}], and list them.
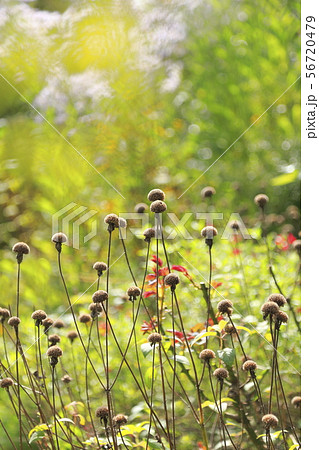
[
  {"x": 148, "y": 293},
  {"x": 179, "y": 269},
  {"x": 154, "y": 259},
  {"x": 163, "y": 272},
  {"x": 291, "y": 238}
]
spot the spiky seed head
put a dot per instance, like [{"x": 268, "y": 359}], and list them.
[
  {"x": 229, "y": 328},
  {"x": 112, "y": 219},
  {"x": 225, "y": 307},
  {"x": 100, "y": 296},
  {"x": 39, "y": 315},
  {"x": 209, "y": 232},
  {"x": 172, "y": 280},
  {"x": 21, "y": 248},
  {"x": 66, "y": 379},
  {"x": 54, "y": 352},
  {"x": 54, "y": 339},
  {"x": 206, "y": 355},
  {"x": 84, "y": 318},
  {"x": 100, "y": 267},
  {"x": 296, "y": 401},
  {"x": 281, "y": 317},
  {"x": 133, "y": 292},
  {"x": 156, "y": 194},
  {"x": 221, "y": 374},
  {"x": 277, "y": 298},
  {"x": 4, "y": 314},
  {"x": 120, "y": 420},
  {"x": 14, "y": 322},
  {"x": 154, "y": 338},
  {"x": 140, "y": 208},
  {"x": 269, "y": 308},
  {"x": 269, "y": 421},
  {"x": 158, "y": 206},
  {"x": 207, "y": 192},
  {"x": 58, "y": 323},
  {"x": 59, "y": 238},
  {"x": 102, "y": 412},
  {"x": 261, "y": 200},
  {"x": 72, "y": 335},
  {"x": 249, "y": 365},
  {"x": 149, "y": 233},
  {"x": 6, "y": 383}
]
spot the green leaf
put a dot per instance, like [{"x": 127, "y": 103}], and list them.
[
  {"x": 202, "y": 335},
  {"x": 181, "y": 359},
  {"x": 294, "y": 446},
  {"x": 65, "y": 419},
  {"x": 285, "y": 178},
  {"x": 227, "y": 355},
  {"x": 146, "y": 349},
  {"x": 41, "y": 427}
]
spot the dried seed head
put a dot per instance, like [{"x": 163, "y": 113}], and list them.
[
  {"x": 234, "y": 225},
  {"x": 249, "y": 365},
  {"x": 225, "y": 307},
  {"x": 149, "y": 233},
  {"x": 296, "y": 401},
  {"x": 84, "y": 318},
  {"x": 229, "y": 328},
  {"x": 100, "y": 267},
  {"x": 269, "y": 308},
  {"x": 47, "y": 323},
  {"x": 281, "y": 317},
  {"x": 221, "y": 373},
  {"x": 4, "y": 314},
  {"x": 58, "y": 323},
  {"x": 39, "y": 315},
  {"x": 100, "y": 296},
  {"x": 59, "y": 238},
  {"x": 172, "y": 280},
  {"x": 95, "y": 309},
  {"x": 154, "y": 338},
  {"x": 54, "y": 339},
  {"x": 261, "y": 200},
  {"x": 209, "y": 232},
  {"x": 72, "y": 335},
  {"x": 156, "y": 194},
  {"x": 14, "y": 321},
  {"x": 66, "y": 379},
  {"x": 112, "y": 220},
  {"x": 102, "y": 412},
  {"x": 6, "y": 383},
  {"x": 21, "y": 248},
  {"x": 119, "y": 420},
  {"x": 158, "y": 206},
  {"x": 122, "y": 223},
  {"x": 140, "y": 208},
  {"x": 207, "y": 192},
  {"x": 206, "y": 355},
  {"x": 54, "y": 352},
  {"x": 296, "y": 245},
  {"x": 133, "y": 292},
  {"x": 270, "y": 421},
  {"x": 277, "y": 298}
]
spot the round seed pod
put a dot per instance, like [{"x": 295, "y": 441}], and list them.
[
  {"x": 119, "y": 420},
  {"x": 296, "y": 401},
  {"x": 54, "y": 352},
  {"x": 112, "y": 221},
  {"x": 154, "y": 338},
  {"x": 102, "y": 412},
  {"x": 95, "y": 309},
  {"x": 269, "y": 308},
  {"x": 66, "y": 379},
  {"x": 122, "y": 223},
  {"x": 58, "y": 324},
  {"x": 14, "y": 322},
  {"x": 269, "y": 421},
  {"x": 133, "y": 292},
  {"x": 100, "y": 296},
  {"x": 4, "y": 314},
  {"x": 225, "y": 307},
  {"x": 296, "y": 245},
  {"x": 6, "y": 383},
  {"x": 249, "y": 365},
  {"x": 54, "y": 339},
  {"x": 72, "y": 335},
  {"x": 100, "y": 267},
  {"x": 229, "y": 328},
  {"x": 39, "y": 316},
  {"x": 59, "y": 238},
  {"x": 149, "y": 233},
  {"x": 84, "y": 318},
  {"x": 172, "y": 280},
  {"x": 140, "y": 208},
  {"x": 209, "y": 232},
  {"x": 281, "y": 317},
  {"x": 21, "y": 248},
  {"x": 207, "y": 192},
  {"x": 221, "y": 374},
  {"x": 234, "y": 225},
  {"x": 261, "y": 200},
  {"x": 277, "y": 298},
  {"x": 158, "y": 206},
  {"x": 47, "y": 323},
  {"x": 206, "y": 355},
  {"x": 156, "y": 194}
]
